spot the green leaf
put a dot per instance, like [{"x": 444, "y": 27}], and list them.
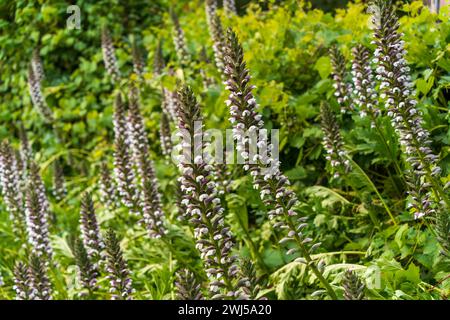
[
  {"x": 329, "y": 196},
  {"x": 323, "y": 66},
  {"x": 49, "y": 13}
]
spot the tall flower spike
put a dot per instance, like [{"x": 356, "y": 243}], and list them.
[
  {"x": 59, "y": 183},
  {"x": 165, "y": 134},
  {"x": 333, "y": 143},
  {"x": 109, "y": 55},
  {"x": 180, "y": 202},
  {"x": 118, "y": 273},
  {"x": 108, "y": 188},
  {"x": 21, "y": 165},
  {"x": 36, "y": 181},
  {"x": 179, "y": 40},
  {"x": 222, "y": 178},
  {"x": 36, "y": 64},
  {"x": 138, "y": 60},
  {"x": 37, "y": 97},
  {"x": 119, "y": 117},
  {"x": 10, "y": 187},
  {"x": 216, "y": 33},
  {"x": 90, "y": 230},
  {"x": 397, "y": 91},
  {"x": 249, "y": 280},
  {"x": 442, "y": 227},
  {"x": 151, "y": 198},
  {"x": 214, "y": 239},
  {"x": 123, "y": 170},
  {"x": 207, "y": 80},
  {"x": 138, "y": 135},
  {"x": 188, "y": 288},
  {"x": 210, "y": 9},
  {"x": 125, "y": 177},
  {"x": 26, "y": 152},
  {"x": 422, "y": 203},
  {"x": 37, "y": 214},
  {"x": 230, "y": 7},
  {"x": 342, "y": 88},
  {"x": 87, "y": 270},
  {"x": 39, "y": 281},
  {"x": 353, "y": 286},
  {"x": 272, "y": 183},
  {"x": 21, "y": 281},
  {"x": 366, "y": 97},
  {"x": 158, "y": 60},
  {"x": 152, "y": 212},
  {"x": 169, "y": 104},
  {"x": 21, "y": 169}
]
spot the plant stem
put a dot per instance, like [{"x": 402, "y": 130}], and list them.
[
  {"x": 374, "y": 188},
  {"x": 310, "y": 261},
  {"x": 388, "y": 149},
  {"x": 251, "y": 244}
]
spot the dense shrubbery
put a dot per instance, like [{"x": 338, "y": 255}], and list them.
[{"x": 93, "y": 207}]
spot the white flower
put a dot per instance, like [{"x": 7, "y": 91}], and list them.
[{"x": 198, "y": 159}]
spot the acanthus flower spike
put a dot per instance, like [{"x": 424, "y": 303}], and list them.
[
  {"x": 158, "y": 59},
  {"x": 216, "y": 33},
  {"x": 249, "y": 280},
  {"x": 207, "y": 80},
  {"x": 151, "y": 198},
  {"x": 169, "y": 98},
  {"x": 37, "y": 98},
  {"x": 117, "y": 268},
  {"x": 138, "y": 135},
  {"x": 210, "y": 9},
  {"x": 187, "y": 286},
  {"x": 90, "y": 230},
  {"x": 442, "y": 227},
  {"x": 26, "y": 152},
  {"x": 123, "y": 171},
  {"x": 87, "y": 269},
  {"x": 169, "y": 104},
  {"x": 37, "y": 218},
  {"x": 222, "y": 178},
  {"x": 165, "y": 134},
  {"x": 138, "y": 59},
  {"x": 273, "y": 185},
  {"x": 36, "y": 64},
  {"x": 10, "y": 187},
  {"x": 366, "y": 97},
  {"x": 214, "y": 239},
  {"x": 179, "y": 40},
  {"x": 353, "y": 286},
  {"x": 59, "y": 183},
  {"x": 40, "y": 285},
  {"x": 230, "y": 7},
  {"x": 21, "y": 281},
  {"x": 109, "y": 55},
  {"x": 108, "y": 188},
  {"x": 397, "y": 92},
  {"x": 35, "y": 179},
  {"x": 333, "y": 143},
  {"x": 342, "y": 88}
]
